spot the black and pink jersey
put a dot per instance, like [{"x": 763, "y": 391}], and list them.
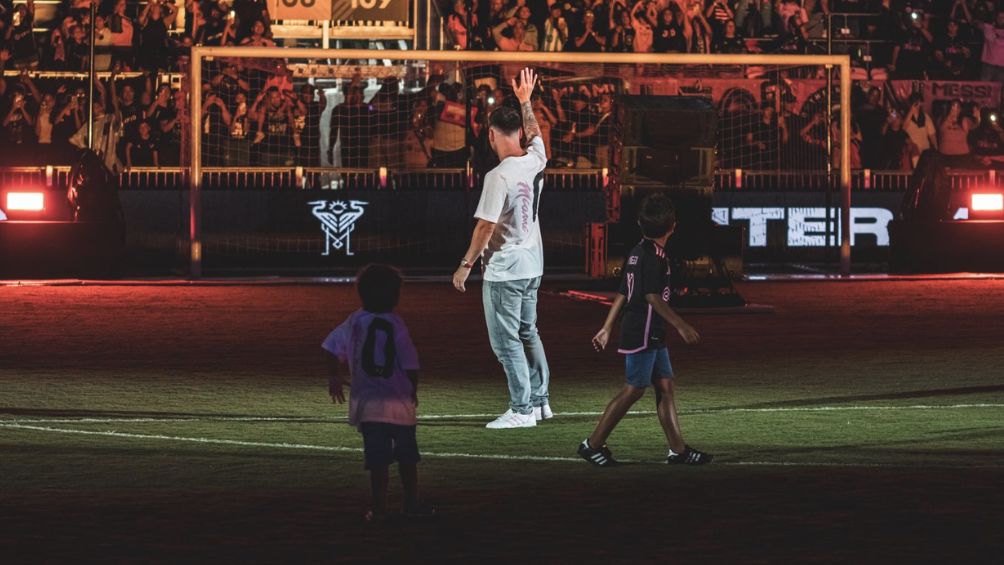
[{"x": 646, "y": 271}]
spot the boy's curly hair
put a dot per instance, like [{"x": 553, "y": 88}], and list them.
[{"x": 379, "y": 287}]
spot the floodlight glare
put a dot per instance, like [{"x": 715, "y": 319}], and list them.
[
  {"x": 987, "y": 202},
  {"x": 25, "y": 201}
]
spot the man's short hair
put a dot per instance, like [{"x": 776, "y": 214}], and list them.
[
  {"x": 656, "y": 215},
  {"x": 379, "y": 287},
  {"x": 506, "y": 119}
]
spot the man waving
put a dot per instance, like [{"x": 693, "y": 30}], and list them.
[{"x": 507, "y": 238}]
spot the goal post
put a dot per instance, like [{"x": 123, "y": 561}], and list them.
[{"x": 414, "y": 67}]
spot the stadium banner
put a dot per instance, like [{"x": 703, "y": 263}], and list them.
[
  {"x": 334, "y": 231},
  {"x": 942, "y": 91},
  {"x": 300, "y": 9},
  {"x": 791, "y": 226}
]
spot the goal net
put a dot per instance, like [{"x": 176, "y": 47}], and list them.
[{"x": 323, "y": 160}]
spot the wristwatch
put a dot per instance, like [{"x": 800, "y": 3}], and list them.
[{"x": 466, "y": 264}]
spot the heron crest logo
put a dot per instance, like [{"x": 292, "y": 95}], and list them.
[{"x": 338, "y": 221}]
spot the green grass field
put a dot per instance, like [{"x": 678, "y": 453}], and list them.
[{"x": 860, "y": 422}]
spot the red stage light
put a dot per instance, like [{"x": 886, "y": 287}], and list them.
[
  {"x": 25, "y": 201},
  {"x": 987, "y": 202}
]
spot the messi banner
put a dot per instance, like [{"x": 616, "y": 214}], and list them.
[{"x": 340, "y": 10}]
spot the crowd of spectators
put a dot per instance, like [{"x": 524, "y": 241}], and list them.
[
  {"x": 428, "y": 128},
  {"x": 910, "y": 39},
  {"x": 891, "y": 136},
  {"x": 136, "y": 110},
  {"x": 256, "y": 114}
]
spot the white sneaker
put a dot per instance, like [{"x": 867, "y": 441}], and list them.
[
  {"x": 512, "y": 420},
  {"x": 542, "y": 412}
]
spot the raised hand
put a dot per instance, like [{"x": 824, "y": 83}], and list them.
[
  {"x": 523, "y": 90},
  {"x": 527, "y": 82}
]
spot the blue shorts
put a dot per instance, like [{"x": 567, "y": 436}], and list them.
[
  {"x": 385, "y": 443},
  {"x": 641, "y": 368}
]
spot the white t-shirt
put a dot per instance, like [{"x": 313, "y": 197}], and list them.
[
  {"x": 510, "y": 199},
  {"x": 920, "y": 135},
  {"x": 379, "y": 353},
  {"x": 993, "y": 45}
]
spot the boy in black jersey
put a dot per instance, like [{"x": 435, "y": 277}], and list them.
[{"x": 644, "y": 297}]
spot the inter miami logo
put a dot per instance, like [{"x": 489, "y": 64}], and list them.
[{"x": 338, "y": 220}]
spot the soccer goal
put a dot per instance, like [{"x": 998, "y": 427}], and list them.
[{"x": 320, "y": 158}]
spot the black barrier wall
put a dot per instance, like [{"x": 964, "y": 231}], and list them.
[{"x": 335, "y": 232}]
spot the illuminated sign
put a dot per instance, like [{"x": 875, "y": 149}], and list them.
[
  {"x": 338, "y": 221},
  {"x": 806, "y": 226}
]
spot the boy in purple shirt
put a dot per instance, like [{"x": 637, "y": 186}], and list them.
[{"x": 383, "y": 373}]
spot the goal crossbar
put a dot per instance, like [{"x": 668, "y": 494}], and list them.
[{"x": 842, "y": 63}]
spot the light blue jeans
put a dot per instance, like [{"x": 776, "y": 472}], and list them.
[{"x": 511, "y": 315}]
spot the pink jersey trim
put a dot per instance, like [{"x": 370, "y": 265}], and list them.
[{"x": 648, "y": 327}]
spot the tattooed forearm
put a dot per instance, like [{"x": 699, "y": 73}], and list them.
[{"x": 530, "y": 126}]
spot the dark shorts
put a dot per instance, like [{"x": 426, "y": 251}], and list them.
[
  {"x": 385, "y": 443},
  {"x": 641, "y": 368}
]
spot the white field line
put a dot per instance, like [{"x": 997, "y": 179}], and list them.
[
  {"x": 310, "y": 419},
  {"x": 280, "y": 445},
  {"x": 450, "y": 455}
]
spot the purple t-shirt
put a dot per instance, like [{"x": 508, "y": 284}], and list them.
[{"x": 379, "y": 353}]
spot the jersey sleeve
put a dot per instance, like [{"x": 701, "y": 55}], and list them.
[
  {"x": 653, "y": 275},
  {"x": 337, "y": 342},
  {"x": 627, "y": 276},
  {"x": 493, "y": 197},
  {"x": 407, "y": 355},
  {"x": 536, "y": 148}
]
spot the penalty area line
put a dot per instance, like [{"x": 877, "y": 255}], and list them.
[
  {"x": 342, "y": 420},
  {"x": 451, "y": 455}
]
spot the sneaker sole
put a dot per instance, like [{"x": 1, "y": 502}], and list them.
[
  {"x": 710, "y": 459},
  {"x": 595, "y": 464},
  {"x": 532, "y": 424}
]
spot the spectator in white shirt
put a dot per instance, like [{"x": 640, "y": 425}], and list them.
[
  {"x": 555, "y": 30},
  {"x": 993, "y": 49}
]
